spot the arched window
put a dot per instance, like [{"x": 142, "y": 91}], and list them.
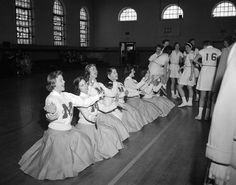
[
  {"x": 84, "y": 28},
  {"x": 172, "y": 12},
  {"x": 127, "y": 14},
  {"x": 24, "y": 28},
  {"x": 224, "y": 9},
  {"x": 58, "y": 24}
]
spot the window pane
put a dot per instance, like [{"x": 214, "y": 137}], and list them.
[
  {"x": 224, "y": 9},
  {"x": 128, "y": 14},
  {"x": 23, "y": 21},
  {"x": 58, "y": 23},
  {"x": 172, "y": 12},
  {"x": 84, "y": 36}
]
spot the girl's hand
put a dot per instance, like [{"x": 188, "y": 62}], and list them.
[
  {"x": 51, "y": 108},
  {"x": 117, "y": 97},
  {"x": 122, "y": 105},
  {"x": 93, "y": 118},
  {"x": 190, "y": 78},
  {"x": 220, "y": 173}
]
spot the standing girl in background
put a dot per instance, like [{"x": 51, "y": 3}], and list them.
[
  {"x": 196, "y": 66},
  {"x": 187, "y": 78},
  {"x": 209, "y": 56},
  {"x": 176, "y": 57}
]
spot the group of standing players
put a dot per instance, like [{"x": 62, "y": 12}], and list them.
[{"x": 192, "y": 68}]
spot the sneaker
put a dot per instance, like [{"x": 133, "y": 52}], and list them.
[
  {"x": 206, "y": 117},
  {"x": 183, "y": 104},
  {"x": 198, "y": 117},
  {"x": 189, "y": 103},
  {"x": 173, "y": 96}
]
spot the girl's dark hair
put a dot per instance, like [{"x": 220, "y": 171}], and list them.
[
  {"x": 76, "y": 84},
  {"x": 228, "y": 39},
  {"x": 87, "y": 72},
  {"x": 206, "y": 42},
  {"x": 158, "y": 46},
  {"x": 109, "y": 70},
  {"x": 51, "y": 79},
  {"x": 176, "y": 43},
  {"x": 167, "y": 49},
  {"x": 128, "y": 70}
]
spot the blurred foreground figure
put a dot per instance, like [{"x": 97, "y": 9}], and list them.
[{"x": 221, "y": 146}]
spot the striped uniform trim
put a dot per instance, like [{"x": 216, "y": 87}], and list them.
[
  {"x": 209, "y": 65},
  {"x": 222, "y": 164}
]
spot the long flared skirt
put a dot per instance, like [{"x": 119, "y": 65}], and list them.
[
  {"x": 112, "y": 121},
  {"x": 147, "y": 110},
  {"x": 105, "y": 140},
  {"x": 132, "y": 119},
  {"x": 58, "y": 155},
  {"x": 163, "y": 103}
]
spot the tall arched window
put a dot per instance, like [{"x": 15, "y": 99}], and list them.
[
  {"x": 24, "y": 27},
  {"x": 224, "y": 9},
  {"x": 84, "y": 28},
  {"x": 127, "y": 14},
  {"x": 172, "y": 12},
  {"x": 58, "y": 24}
]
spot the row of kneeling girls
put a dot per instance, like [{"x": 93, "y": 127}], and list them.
[{"x": 107, "y": 114}]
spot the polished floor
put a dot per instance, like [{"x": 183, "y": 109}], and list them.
[{"x": 168, "y": 151}]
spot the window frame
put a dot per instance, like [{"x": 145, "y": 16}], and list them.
[
  {"x": 85, "y": 21},
  {"x": 221, "y": 2},
  {"x": 168, "y": 6},
  {"x": 28, "y": 23},
  {"x": 126, "y": 8},
  {"x": 62, "y": 24}
]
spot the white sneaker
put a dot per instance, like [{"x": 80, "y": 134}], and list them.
[
  {"x": 206, "y": 117},
  {"x": 189, "y": 103},
  {"x": 173, "y": 96},
  {"x": 198, "y": 117},
  {"x": 183, "y": 104}
]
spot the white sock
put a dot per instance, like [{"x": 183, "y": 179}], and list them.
[
  {"x": 207, "y": 113},
  {"x": 184, "y": 99},
  {"x": 200, "y": 109},
  {"x": 197, "y": 95},
  {"x": 177, "y": 93},
  {"x": 173, "y": 93},
  {"x": 190, "y": 100}
]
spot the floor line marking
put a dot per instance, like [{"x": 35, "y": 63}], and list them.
[{"x": 134, "y": 160}]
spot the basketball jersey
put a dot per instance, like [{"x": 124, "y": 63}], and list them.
[{"x": 209, "y": 56}]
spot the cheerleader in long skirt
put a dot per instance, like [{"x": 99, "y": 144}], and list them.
[
  {"x": 104, "y": 117},
  {"x": 105, "y": 139},
  {"x": 147, "y": 110},
  {"x": 62, "y": 151},
  {"x": 129, "y": 115},
  {"x": 162, "y": 102}
]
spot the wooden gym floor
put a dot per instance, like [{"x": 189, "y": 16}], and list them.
[{"x": 168, "y": 151}]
